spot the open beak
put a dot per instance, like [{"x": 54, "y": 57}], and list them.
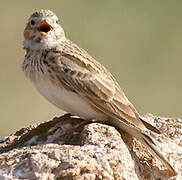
[{"x": 44, "y": 28}]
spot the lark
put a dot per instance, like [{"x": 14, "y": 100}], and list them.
[{"x": 71, "y": 79}]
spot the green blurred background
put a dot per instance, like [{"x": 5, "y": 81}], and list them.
[{"x": 140, "y": 42}]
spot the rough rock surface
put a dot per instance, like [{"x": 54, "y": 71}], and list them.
[{"x": 65, "y": 148}]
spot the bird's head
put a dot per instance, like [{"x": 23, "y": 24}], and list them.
[{"x": 43, "y": 31}]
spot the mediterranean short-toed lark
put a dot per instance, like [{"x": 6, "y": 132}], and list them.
[{"x": 75, "y": 82}]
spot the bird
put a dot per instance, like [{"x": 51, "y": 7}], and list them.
[{"x": 71, "y": 79}]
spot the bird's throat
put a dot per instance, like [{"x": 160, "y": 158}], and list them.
[{"x": 43, "y": 44}]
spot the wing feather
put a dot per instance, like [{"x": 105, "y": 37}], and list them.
[{"x": 92, "y": 81}]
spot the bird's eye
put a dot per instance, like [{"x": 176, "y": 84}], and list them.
[{"x": 32, "y": 22}]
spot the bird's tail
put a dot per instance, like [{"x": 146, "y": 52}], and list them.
[
  {"x": 144, "y": 137},
  {"x": 148, "y": 142}
]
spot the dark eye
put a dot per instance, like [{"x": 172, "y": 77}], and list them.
[{"x": 32, "y": 22}]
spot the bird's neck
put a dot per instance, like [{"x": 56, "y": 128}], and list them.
[{"x": 44, "y": 44}]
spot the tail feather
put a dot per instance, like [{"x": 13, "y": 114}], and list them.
[
  {"x": 145, "y": 139},
  {"x": 150, "y": 127},
  {"x": 148, "y": 142}
]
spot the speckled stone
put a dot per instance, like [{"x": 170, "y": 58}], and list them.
[{"x": 65, "y": 148}]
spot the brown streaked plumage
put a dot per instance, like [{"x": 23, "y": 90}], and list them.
[{"x": 72, "y": 80}]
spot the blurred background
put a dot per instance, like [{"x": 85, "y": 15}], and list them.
[{"x": 140, "y": 42}]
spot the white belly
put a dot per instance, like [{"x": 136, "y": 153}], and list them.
[{"x": 66, "y": 100}]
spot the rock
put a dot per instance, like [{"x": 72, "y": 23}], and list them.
[{"x": 66, "y": 148}]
